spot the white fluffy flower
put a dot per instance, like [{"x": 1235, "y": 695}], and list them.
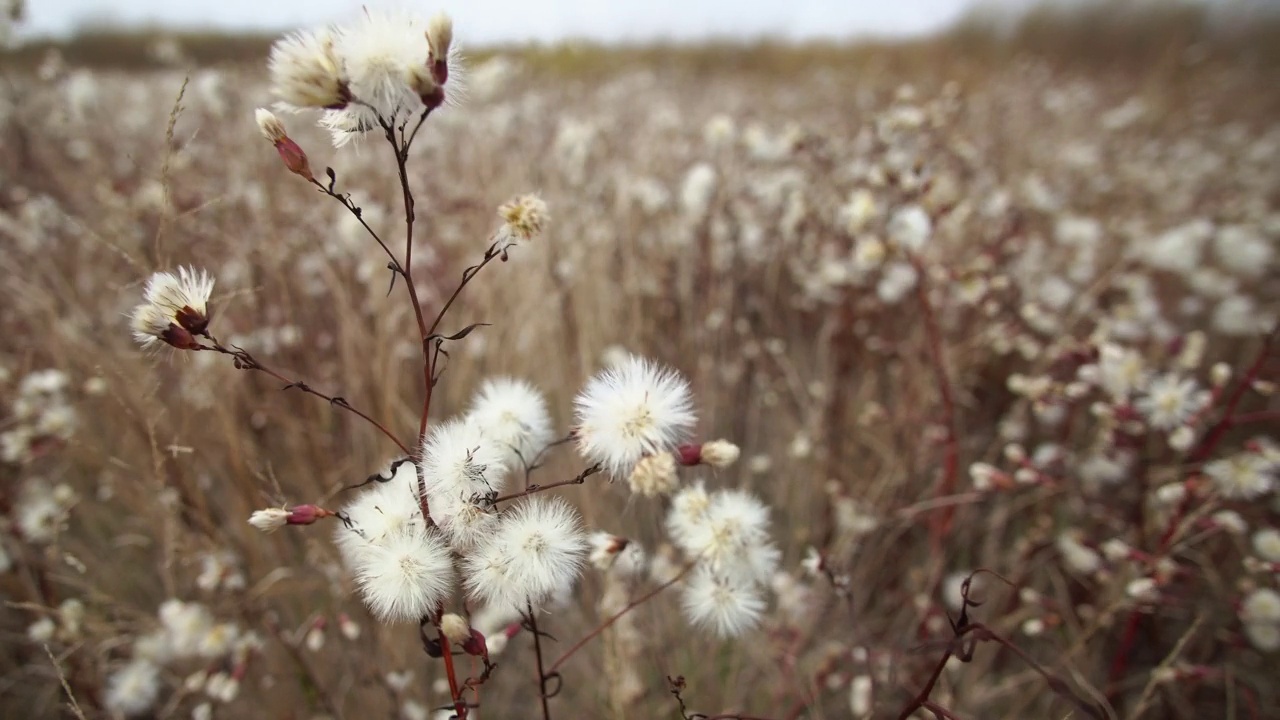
[
  {"x": 1242, "y": 476},
  {"x": 631, "y": 410},
  {"x": 513, "y": 414},
  {"x": 133, "y": 689},
  {"x": 406, "y": 575},
  {"x": 698, "y": 189},
  {"x": 728, "y": 532},
  {"x": 1261, "y": 606},
  {"x": 387, "y": 508},
  {"x": 464, "y": 522},
  {"x": 186, "y": 624},
  {"x": 898, "y": 279},
  {"x": 381, "y": 51},
  {"x": 1121, "y": 371},
  {"x": 461, "y": 461},
  {"x": 1266, "y": 543},
  {"x": 535, "y": 553},
  {"x": 909, "y": 228},
  {"x": 726, "y": 606},
  {"x": 1243, "y": 251},
  {"x": 1170, "y": 401},
  {"x": 174, "y": 307},
  {"x": 306, "y": 72}
]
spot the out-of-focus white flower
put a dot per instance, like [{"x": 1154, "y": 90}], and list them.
[
  {"x": 909, "y": 228},
  {"x": 306, "y": 71},
  {"x": 1242, "y": 476},
  {"x": 523, "y": 218},
  {"x": 1243, "y": 251},
  {"x": 1177, "y": 250},
  {"x": 536, "y": 552},
  {"x": 40, "y": 516},
  {"x": 729, "y": 534},
  {"x": 654, "y": 475},
  {"x": 617, "y": 555},
  {"x": 1121, "y": 371},
  {"x": 860, "y": 696},
  {"x": 859, "y": 211},
  {"x": 868, "y": 254},
  {"x": 1170, "y": 400},
  {"x": 1143, "y": 589},
  {"x": 1239, "y": 315},
  {"x": 1266, "y": 543},
  {"x": 899, "y": 278},
  {"x": 1079, "y": 558},
  {"x": 513, "y": 414},
  {"x": 724, "y": 605},
  {"x": 631, "y": 410},
  {"x": 698, "y": 189},
  {"x": 41, "y": 631},
  {"x": 1261, "y": 606},
  {"x": 133, "y": 688},
  {"x": 1230, "y": 521}
]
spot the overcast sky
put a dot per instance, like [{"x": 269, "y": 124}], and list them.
[{"x": 481, "y": 21}]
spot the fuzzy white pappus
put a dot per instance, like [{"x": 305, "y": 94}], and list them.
[
  {"x": 633, "y": 409},
  {"x": 386, "y": 509},
  {"x": 461, "y": 461},
  {"x": 536, "y": 552},
  {"x": 513, "y": 414},
  {"x": 132, "y": 690},
  {"x": 727, "y": 606}
]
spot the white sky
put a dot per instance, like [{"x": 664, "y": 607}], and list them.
[{"x": 484, "y": 21}]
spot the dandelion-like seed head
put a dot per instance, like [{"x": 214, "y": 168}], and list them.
[
  {"x": 1242, "y": 476},
  {"x": 654, "y": 475},
  {"x": 406, "y": 575},
  {"x": 524, "y": 217},
  {"x": 175, "y": 309},
  {"x": 536, "y": 553},
  {"x": 133, "y": 689},
  {"x": 723, "y": 605},
  {"x": 379, "y": 513},
  {"x": 306, "y": 71},
  {"x": 513, "y": 414},
  {"x": 1170, "y": 401},
  {"x": 465, "y": 523},
  {"x": 633, "y": 409},
  {"x": 461, "y": 461}
]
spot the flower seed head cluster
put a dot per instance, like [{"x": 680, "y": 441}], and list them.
[
  {"x": 175, "y": 309},
  {"x": 402, "y": 566},
  {"x": 368, "y": 75},
  {"x": 513, "y": 415},
  {"x": 461, "y": 461},
  {"x": 633, "y": 409},
  {"x": 523, "y": 217},
  {"x": 535, "y": 553},
  {"x": 726, "y": 534}
]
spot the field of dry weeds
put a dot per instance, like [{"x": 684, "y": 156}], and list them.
[{"x": 956, "y": 314}]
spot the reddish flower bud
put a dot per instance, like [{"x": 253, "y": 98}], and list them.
[
  {"x": 294, "y": 158},
  {"x": 475, "y": 645},
  {"x": 306, "y": 514},
  {"x": 690, "y": 454}
]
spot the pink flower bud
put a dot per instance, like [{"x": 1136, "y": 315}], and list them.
[
  {"x": 306, "y": 514},
  {"x": 689, "y": 454},
  {"x": 294, "y": 158}
]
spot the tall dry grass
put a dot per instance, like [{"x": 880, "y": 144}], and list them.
[{"x": 833, "y": 394}]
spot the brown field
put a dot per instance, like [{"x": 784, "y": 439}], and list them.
[{"x": 1053, "y": 165}]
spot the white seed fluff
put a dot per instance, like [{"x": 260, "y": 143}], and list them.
[
  {"x": 514, "y": 415},
  {"x": 536, "y": 552},
  {"x": 132, "y": 690},
  {"x": 406, "y": 576},
  {"x": 461, "y": 461},
  {"x": 633, "y": 409},
  {"x": 725, "y": 606}
]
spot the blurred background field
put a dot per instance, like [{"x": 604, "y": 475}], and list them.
[{"x": 744, "y": 212}]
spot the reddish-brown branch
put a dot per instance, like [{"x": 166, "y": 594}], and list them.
[
  {"x": 1229, "y": 419},
  {"x": 455, "y": 691},
  {"x": 246, "y": 361},
  {"x": 532, "y": 489}
]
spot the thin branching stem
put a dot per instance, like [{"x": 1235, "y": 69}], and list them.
[
  {"x": 614, "y": 618},
  {"x": 532, "y": 489},
  {"x": 542, "y": 673},
  {"x": 246, "y": 361}
]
